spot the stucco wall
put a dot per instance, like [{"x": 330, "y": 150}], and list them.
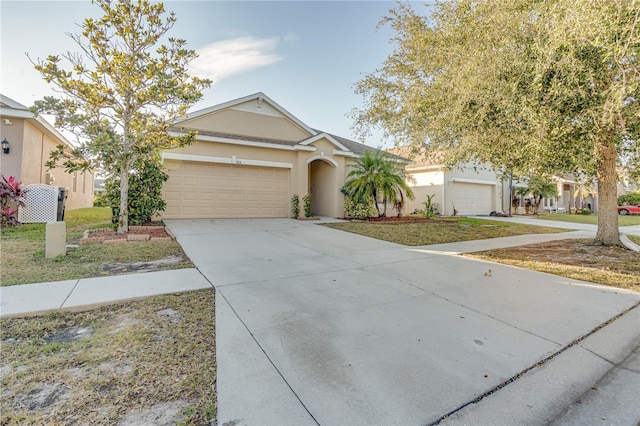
[
  {"x": 425, "y": 183},
  {"x": 249, "y": 124},
  {"x": 11, "y": 163}
]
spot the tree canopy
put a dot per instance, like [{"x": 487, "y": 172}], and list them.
[
  {"x": 122, "y": 91},
  {"x": 530, "y": 87}
]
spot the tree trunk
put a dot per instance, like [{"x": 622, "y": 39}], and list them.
[
  {"x": 608, "y": 233},
  {"x": 374, "y": 195},
  {"x": 123, "y": 218}
]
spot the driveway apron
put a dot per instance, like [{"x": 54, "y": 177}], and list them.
[{"x": 320, "y": 326}]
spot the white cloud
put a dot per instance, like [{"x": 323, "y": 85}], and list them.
[{"x": 237, "y": 55}]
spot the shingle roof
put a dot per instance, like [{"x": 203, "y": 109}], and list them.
[{"x": 234, "y": 136}]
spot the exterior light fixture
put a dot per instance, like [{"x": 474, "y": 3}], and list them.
[{"x": 5, "y": 146}]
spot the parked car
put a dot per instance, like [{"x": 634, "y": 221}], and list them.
[{"x": 625, "y": 210}]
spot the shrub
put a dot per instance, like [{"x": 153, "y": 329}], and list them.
[
  {"x": 145, "y": 192},
  {"x": 295, "y": 206},
  {"x": 11, "y": 197},
  {"x": 101, "y": 200},
  {"x": 307, "y": 205},
  {"x": 429, "y": 209},
  {"x": 359, "y": 209},
  {"x": 632, "y": 199}
]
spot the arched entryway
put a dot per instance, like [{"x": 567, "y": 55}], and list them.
[{"x": 322, "y": 185}]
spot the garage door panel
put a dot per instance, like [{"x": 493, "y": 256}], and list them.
[
  {"x": 205, "y": 190},
  {"x": 473, "y": 199}
]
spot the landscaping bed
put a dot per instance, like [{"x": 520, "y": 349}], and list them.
[
  {"x": 23, "y": 258},
  {"x": 576, "y": 259},
  {"x": 136, "y": 233},
  {"x": 144, "y": 362}
]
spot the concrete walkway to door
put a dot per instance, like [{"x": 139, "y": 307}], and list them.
[{"x": 319, "y": 326}]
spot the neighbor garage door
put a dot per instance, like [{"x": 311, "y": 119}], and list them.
[
  {"x": 209, "y": 190},
  {"x": 472, "y": 198}
]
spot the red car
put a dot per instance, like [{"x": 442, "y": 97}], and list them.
[{"x": 625, "y": 210}]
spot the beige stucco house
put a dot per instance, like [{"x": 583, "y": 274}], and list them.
[
  {"x": 30, "y": 140},
  {"x": 468, "y": 190},
  {"x": 250, "y": 157}
]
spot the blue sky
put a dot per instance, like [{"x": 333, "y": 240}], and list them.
[{"x": 305, "y": 55}]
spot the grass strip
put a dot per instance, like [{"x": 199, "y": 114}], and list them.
[{"x": 440, "y": 231}]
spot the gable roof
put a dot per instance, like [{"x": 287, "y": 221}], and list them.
[
  {"x": 342, "y": 144},
  {"x": 260, "y": 97}
]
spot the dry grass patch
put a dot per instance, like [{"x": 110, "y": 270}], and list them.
[
  {"x": 575, "y": 259},
  {"x": 439, "y": 231},
  {"x": 143, "y": 362}
]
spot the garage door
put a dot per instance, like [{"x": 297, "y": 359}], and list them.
[
  {"x": 208, "y": 190},
  {"x": 473, "y": 199}
]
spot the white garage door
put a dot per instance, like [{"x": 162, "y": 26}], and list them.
[
  {"x": 473, "y": 198},
  {"x": 208, "y": 190}
]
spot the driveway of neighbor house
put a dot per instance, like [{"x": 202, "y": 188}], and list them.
[{"x": 319, "y": 326}]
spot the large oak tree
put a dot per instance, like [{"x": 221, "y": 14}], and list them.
[
  {"x": 122, "y": 91},
  {"x": 532, "y": 87}
]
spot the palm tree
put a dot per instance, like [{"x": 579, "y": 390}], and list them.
[
  {"x": 539, "y": 187},
  {"x": 375, "y": 176}
]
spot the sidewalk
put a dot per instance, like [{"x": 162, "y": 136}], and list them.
[{"x": 31, "y": 299}]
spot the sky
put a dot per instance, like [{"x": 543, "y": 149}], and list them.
[{"x": 305, "y": 55}]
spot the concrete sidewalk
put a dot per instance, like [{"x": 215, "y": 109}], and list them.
[{"x": 31, "y": 299}]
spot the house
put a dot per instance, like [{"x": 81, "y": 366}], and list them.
[
  {"x": 27, "y": 142},
  {"x": 573, "y": 194},
  {"x": 461, "y": 191},
  {"x": 250, "y": 157}
]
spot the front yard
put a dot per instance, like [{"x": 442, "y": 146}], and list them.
[
  {"x": 575, "y": 259},
  {"x": 23, "y": 252},
  {"x": 439, "y": 231}
]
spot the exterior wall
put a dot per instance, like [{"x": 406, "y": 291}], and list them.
[
  {"x": 30, "y": 149},
  {"x": 305, "y": 169},
  {"x": 423, "y": 184},
  {"x": 227, "y": 150},
  {"x": 11, "y": 163},
  {"x": 246, "y": 123},
  {"x": 322, "y": 187}
]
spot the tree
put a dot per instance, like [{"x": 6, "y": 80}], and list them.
[
  {"x": 530, "y": 87},
  {"x": 376, "y": 176},
  {"x": 539, "y": 187},
  {"x": 122, "y": 92}
]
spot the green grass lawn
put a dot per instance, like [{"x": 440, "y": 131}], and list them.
[
  {"x": 440, "y": 231},
  {"x": 23, "y": 251},
  {"x": 588, "y": 219}
]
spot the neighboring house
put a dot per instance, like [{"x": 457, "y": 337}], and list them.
[
  {"x": 467, "y": 190},
  {"x": 30, "y": 140},
  {"x": 573, "y": 194},
  {"x": 250, "y": 157}
]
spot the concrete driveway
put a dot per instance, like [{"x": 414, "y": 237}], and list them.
[{"x": 319, "y": 326}]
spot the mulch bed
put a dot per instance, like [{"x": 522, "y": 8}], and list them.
[
  {"x": 110, "y": 234},
  {"x": 404, "y": 219}
]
